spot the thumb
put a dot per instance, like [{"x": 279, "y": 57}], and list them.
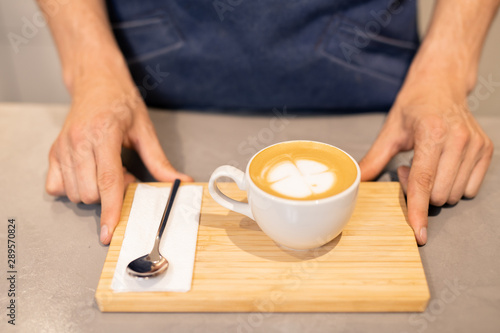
[
  {"x": 381, "y": 152},
  {"x": 149, "y": 149}
]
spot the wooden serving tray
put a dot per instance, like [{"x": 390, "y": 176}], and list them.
[{"x": 373, "y": 266}]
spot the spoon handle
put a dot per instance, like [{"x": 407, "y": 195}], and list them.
[{"x": 168, "y": 208}]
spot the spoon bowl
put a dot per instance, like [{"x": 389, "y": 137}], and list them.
[{"x": 145, "y": 267}]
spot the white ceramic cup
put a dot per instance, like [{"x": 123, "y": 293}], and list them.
[{"x": 296, "y": 224}]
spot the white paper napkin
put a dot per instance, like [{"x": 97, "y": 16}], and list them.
[{"x": 178, "y": 243}]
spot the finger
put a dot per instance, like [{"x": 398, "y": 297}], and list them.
[
  {"x": 110, "y": 185},
  {"x": 382, "y": 151},
  {"x": 403, "y": 174},
  {"x": 68, "y": 174},
  {"x": 86, "y": 176},
  {"x": 154, "y": 158},
  {"x": 447, "y": 171},
  {"x": 420, "y": 184},
  {"x": 478, "y": 173},
  {"x": 473, "y": 157},
  {"x": 54, "y": 184}
]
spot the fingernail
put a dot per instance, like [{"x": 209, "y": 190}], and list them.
[
  {"x": 104, "y": 233},
  {"x": 423, "y": 236}
]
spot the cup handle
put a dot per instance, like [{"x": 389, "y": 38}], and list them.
[{"x": 239, "y": 178}]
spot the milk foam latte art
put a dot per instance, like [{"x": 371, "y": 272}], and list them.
[{"x": 302, "y": 170}]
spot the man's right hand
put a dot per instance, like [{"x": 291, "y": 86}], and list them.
[
  {"x": 107, "y": 113},
  {"x": 85, "y": 163}
]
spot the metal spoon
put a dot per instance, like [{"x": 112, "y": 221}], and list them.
[{"x": 154, "y": 263}]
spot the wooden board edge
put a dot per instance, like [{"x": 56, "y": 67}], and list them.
[
  {"x": 124, "y": 303},
  {"x": 404, "y": 208}
]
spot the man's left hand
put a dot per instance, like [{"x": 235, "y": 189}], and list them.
[{"x": 451, "y": 151}]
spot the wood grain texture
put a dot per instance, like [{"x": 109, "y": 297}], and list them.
[{"x": 373, "y": 266}]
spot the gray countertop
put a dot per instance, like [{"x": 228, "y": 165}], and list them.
[{"x": 59, "y": 257}]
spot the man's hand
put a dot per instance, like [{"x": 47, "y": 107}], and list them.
[
  {"x": 85, "y": 162},
  {"x": 106, "y": 114},
  {"x": 451, "y": 151},
  {"x": 430, "y": 115}
]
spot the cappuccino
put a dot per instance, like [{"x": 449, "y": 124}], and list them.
[{"x": 302, "y": 170}]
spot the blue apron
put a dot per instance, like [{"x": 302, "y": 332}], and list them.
[{"x": 316, "y": 55}]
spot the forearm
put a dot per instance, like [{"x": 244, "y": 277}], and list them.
[
  {"x": 452, "y": 47},
  {"x": 85, "y": 43}
]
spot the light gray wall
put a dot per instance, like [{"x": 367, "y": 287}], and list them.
[{"x": 33, "y": 73}]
